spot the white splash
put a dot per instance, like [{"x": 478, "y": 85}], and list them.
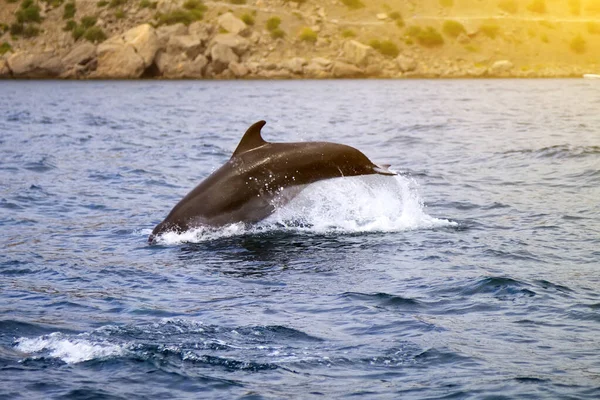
[
  {"x": 71, "y": 350},
  {"x": 372, "y": 203}
]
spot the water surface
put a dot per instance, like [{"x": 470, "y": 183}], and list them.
[{"x": 473, "y": 274}]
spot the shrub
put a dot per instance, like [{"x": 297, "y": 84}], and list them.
[
  {"x": 116, "y": 3},
  {"x": 88, "y": 21},
  {"x": 471, "y": 48},
  {"x": 578, "y": 44},
  {"x": 544, "y": 38},
  {"x": 16, "y": 28},
  {"x": 490, "y": 30},
  {"x": 308, "y": 35},
  {"x": 353, "y": 4},
  {"x": 11, "y": 1},
  {"x": 593, "y": 28},
  {"x": 277, "y": 33},
  {"x": 395, "y": 15},
  {"x": 148, "y": 4},
  {"x": 194, "y": 5},
  {"x": 5, "y": 48},
  {"x": 388, "y": 48},
  {"x": 237, "y": 1},
  {"x": 120, "y": 14},
  {"x": 103, "y": 3},
  {"x": 78, "y": 32},
  {"x": 29, "y": 12},
  {"x": 348, "y": 33},
  {"x": 69, "y": 11},
  {"x": 248, "y": 19},
  {"x": 537, "y": 6},
  {"x": 446, "y": 3},
  {"x": 95, "y": 34},
  {"x": 54, "y": 3},
  {"x": 70, "y": 25},
  {"x": 453, "y": 28},
  {"x": 400, "y": 23},
  {"x": 374, "y": 43},
  {"x": 186, "y": 17},
  {"x": 510, "y": 6},
  {"x": 427, "y": 37},
  {"x": 31, "y": 31},
  {"x": 3, "y": 28},
  {"x": 273, "y": 23}
]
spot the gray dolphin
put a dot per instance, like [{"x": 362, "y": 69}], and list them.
[{"x": 258, "y": 177}]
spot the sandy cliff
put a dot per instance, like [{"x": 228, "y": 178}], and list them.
[{"x": 283, "y": 39}]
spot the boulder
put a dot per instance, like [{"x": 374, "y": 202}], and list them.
[
  {"x": 295, "y": 65},
  {"x": 81, "y": 54},
  {"x": 4, "y": 70},
  {"x": 119, "y": 61},
  {"x": 239, "y": 70},
  {"x": 325, "y": 63},
  {"x": 405, "y": 63},
  {"x": 35, "y": 65},
  {"x": 128, "y": 55},
  {"x": 201, "y": 30},
  {"x": 344, "y": 70},
  {"x": 356, "y": 53},
  {"x": 315, "y": 70},
  {"x": 165, "y": 32},
  {"x": 275, "y": 74},
  {"x": 221, "y": 56},
  {"x": 232, "y": 24},
  {"x": 501, "y": 67},
  {"x": 145, "y": 41},
  {"x": 188, "y": 45},
  {"x": 178, "y": 66},
  {"x": 238, "y": 44}
]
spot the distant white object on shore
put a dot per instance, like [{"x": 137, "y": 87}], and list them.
[{"x": 591, "y": 76}]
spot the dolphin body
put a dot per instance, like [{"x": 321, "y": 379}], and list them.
[{"x": 258, "y": 177}]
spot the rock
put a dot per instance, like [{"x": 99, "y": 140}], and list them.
[
  {"x": 4, "y": 70},
  {"x": 405, "y": 63},
  {"x": 275, "y": 74},
  {"x": 323, "y": 62},
  {"x": 373, "y": 70},
  {"x": 221, "y": 56},
  {"x": 178, "y": 66},
  {"x": 344, "y": 70},
  {"x": 188, "y": 45},
  {"x": 356, "y": 53},
  {"x": 315, "y": 70},
  {"x": 201, "y": 30},
  {"x": 238, "y": 44},
  {"x": 500, "y": 67},
  {"x": 382, "y": 16},
  {"x": 295, "y": 65},
  {"x": 238, "y": 70},
  {"x": 232, "y": 24},
  {"x": 81, "y": 54},
  {"x": 128, "y": 55},
  {"x": 143, "y": 38},
  {"x": 35, "y": 65},
  {"x": 463, "y": 38},
  {"x": 165, "y": 32},
  {"x": 119, "y": 61}
]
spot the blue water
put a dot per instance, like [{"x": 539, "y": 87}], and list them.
[{"x": 473, "y": 274}]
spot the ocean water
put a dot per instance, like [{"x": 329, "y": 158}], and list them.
[{"x": 474, "y": 273}]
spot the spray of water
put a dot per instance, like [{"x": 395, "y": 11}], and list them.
[{"x": 372, "y": 203}]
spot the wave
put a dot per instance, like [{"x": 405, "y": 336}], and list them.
[
  {"x": 341, "y": 206},
  {"x": 559, "y": 151}
]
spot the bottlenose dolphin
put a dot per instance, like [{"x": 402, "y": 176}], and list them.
[{"x": 260, "y": 176}]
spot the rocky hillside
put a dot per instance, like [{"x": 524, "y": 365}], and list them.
[{"x": 284, "y": 39}]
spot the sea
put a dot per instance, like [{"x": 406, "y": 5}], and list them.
[{"x": 472, "y": 274}]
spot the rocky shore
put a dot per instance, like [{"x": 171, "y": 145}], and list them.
[{"x": 226, "y": 47}]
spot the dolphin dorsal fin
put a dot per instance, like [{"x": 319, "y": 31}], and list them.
[{"x": 251, "y": 139}]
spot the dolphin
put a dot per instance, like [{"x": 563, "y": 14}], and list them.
[{"x": 261, "y": 176}]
